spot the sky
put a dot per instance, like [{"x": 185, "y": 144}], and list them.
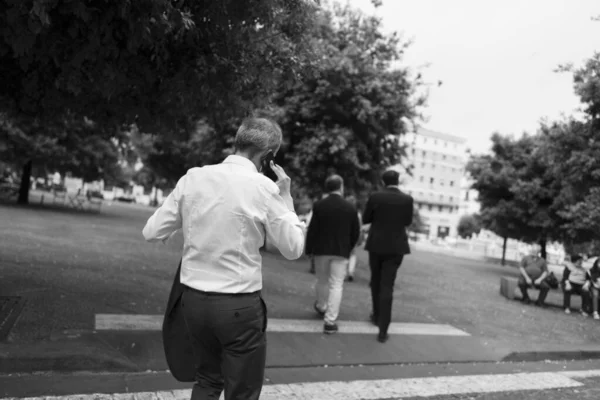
[{"x": 496, "y": 60}]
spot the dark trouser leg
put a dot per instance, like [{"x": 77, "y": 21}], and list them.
[
  {"x": 207, "y": 349},
  {"x": 243, "y": 336},
  {"x": 389, "y": 270},
  {"x": 239, "y": 324},
  {"x": 544, "y": 289},
  {"x": 567, "y": 299},
  {"x": 585, "y": 297},
  {"x": 523, "y": 287},
  {"x": 375, "y": 265}
]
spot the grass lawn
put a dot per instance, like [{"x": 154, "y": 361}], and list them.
[{"x": 70, "y": 266}]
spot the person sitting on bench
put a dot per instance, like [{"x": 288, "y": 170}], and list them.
[
  {"x": 534, "y": 271},
  {"x": 593, "y": 282},
  {"x": 574, "y": 282}
]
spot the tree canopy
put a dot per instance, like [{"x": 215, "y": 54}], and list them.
[
  {"x": 161, "y": 64},
  {"x": 344, "y": 115},
  {"x": 547, "y": 186},
  {"x": 347, "y": 118},
  {"x": 468, "y": 225}
]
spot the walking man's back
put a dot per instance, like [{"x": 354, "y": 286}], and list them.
[
  {"x": 332, "y": 234},
  {"x": 226, "y": 212},
  {"x": 389, "y": 212}
]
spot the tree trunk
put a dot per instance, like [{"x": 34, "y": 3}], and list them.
[
  {"x": 25, "y": 182},
  {"x": 504, "y": 243},
  {"x": 155, "y": 200},
  {"x": 543, "y": 248}
]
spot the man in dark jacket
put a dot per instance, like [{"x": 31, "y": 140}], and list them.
[
  {"x": 389, "y": 212},
  {"x": 332, "y": 234}
]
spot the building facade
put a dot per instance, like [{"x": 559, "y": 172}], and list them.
[
  {"x": 438, "y": 163},
  {"x": 469, "y": 203}
]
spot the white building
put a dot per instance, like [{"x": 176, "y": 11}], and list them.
[
  {"x": 469, "y": 203},
  {"x": 438, "y": 164}
]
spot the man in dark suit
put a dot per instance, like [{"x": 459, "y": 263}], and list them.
[
  {"x": 332, "y": 234},
  {"x": 389, "y": 212}
]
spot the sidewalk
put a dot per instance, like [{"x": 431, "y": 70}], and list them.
[{"x": 378, "y": 382}]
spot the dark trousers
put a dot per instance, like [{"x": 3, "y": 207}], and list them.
[
  {"x": 383, "y": 276},
  {"x": 577, "y": 289},
  {"x": 229, "y": 342},
  {"x": 543, "y": 288}
]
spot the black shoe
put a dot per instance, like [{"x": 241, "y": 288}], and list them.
[
  {"x": 526, "y": 300},
  {"x": 321, "y": 313},
  {"x": 383, "y": 337},
  {"x": 373, "y": 320},
  {"x": 540, "y": 304},
  {"x": 330, "y": 328},
  {"x": 350, "y": 278}
]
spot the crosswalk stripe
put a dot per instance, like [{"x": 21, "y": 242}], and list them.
[
  {"x": 133, "y": 322},
  {"x": 378, "y": 389}
]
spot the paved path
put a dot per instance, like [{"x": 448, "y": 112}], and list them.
[{"x": 531, "y": 383}]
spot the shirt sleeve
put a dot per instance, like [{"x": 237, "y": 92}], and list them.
[
  {"x": 312, "y": 231},
  {"x": 167, "y": 219},
  {"x": 284, "y": 229},
  {"x": 367, "y": 217}
]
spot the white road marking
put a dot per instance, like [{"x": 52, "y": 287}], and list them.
[
  {"x": 139, "y": 322},
  {"x": 373, "y": 389}
]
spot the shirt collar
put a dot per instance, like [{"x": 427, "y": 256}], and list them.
[{"x": 241, "y": 161}]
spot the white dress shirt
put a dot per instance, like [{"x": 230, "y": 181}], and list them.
[{"x": 224, "y": 211}]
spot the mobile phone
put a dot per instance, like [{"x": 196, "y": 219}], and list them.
[{"x": 266, "y": 167}]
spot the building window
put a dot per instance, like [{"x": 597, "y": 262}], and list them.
[
  {"x": 421, "y": 178},
  {"x": 441, "y": 208},
  {"x": 424, "y": 153},
  {"x": 430, "y": 207},
  {"x": 432, "y": 166},
  {"x": 431, "y": 180},
  {"x": 443, "y": 157},
  {"x": 467, "y": 195},
  {"x": 451, "y": 183},
  {"x": 413, "y": 151}
]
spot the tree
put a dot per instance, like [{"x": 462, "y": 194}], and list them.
[
  {"x": 348, "y": 116},
  {"x": 517, "y": 190},
  {"x": 468, "y": 225},
  {"x": 69, "y": 144},
  {"x": 572, "y": 150},
  {"x": 159, "y": 63}
]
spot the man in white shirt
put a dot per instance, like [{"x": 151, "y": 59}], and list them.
[{"x": 227, "y": 213}]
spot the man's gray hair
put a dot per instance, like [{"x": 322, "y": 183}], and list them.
[{"x": 258, "y": 134}]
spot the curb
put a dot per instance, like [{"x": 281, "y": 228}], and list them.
[{"x": 566, "y": 355}]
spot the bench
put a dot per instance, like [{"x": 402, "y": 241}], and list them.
[{"x": 509, "y": 288}]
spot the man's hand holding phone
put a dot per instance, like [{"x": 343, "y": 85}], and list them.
[{"x": 284, "y": 183}]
